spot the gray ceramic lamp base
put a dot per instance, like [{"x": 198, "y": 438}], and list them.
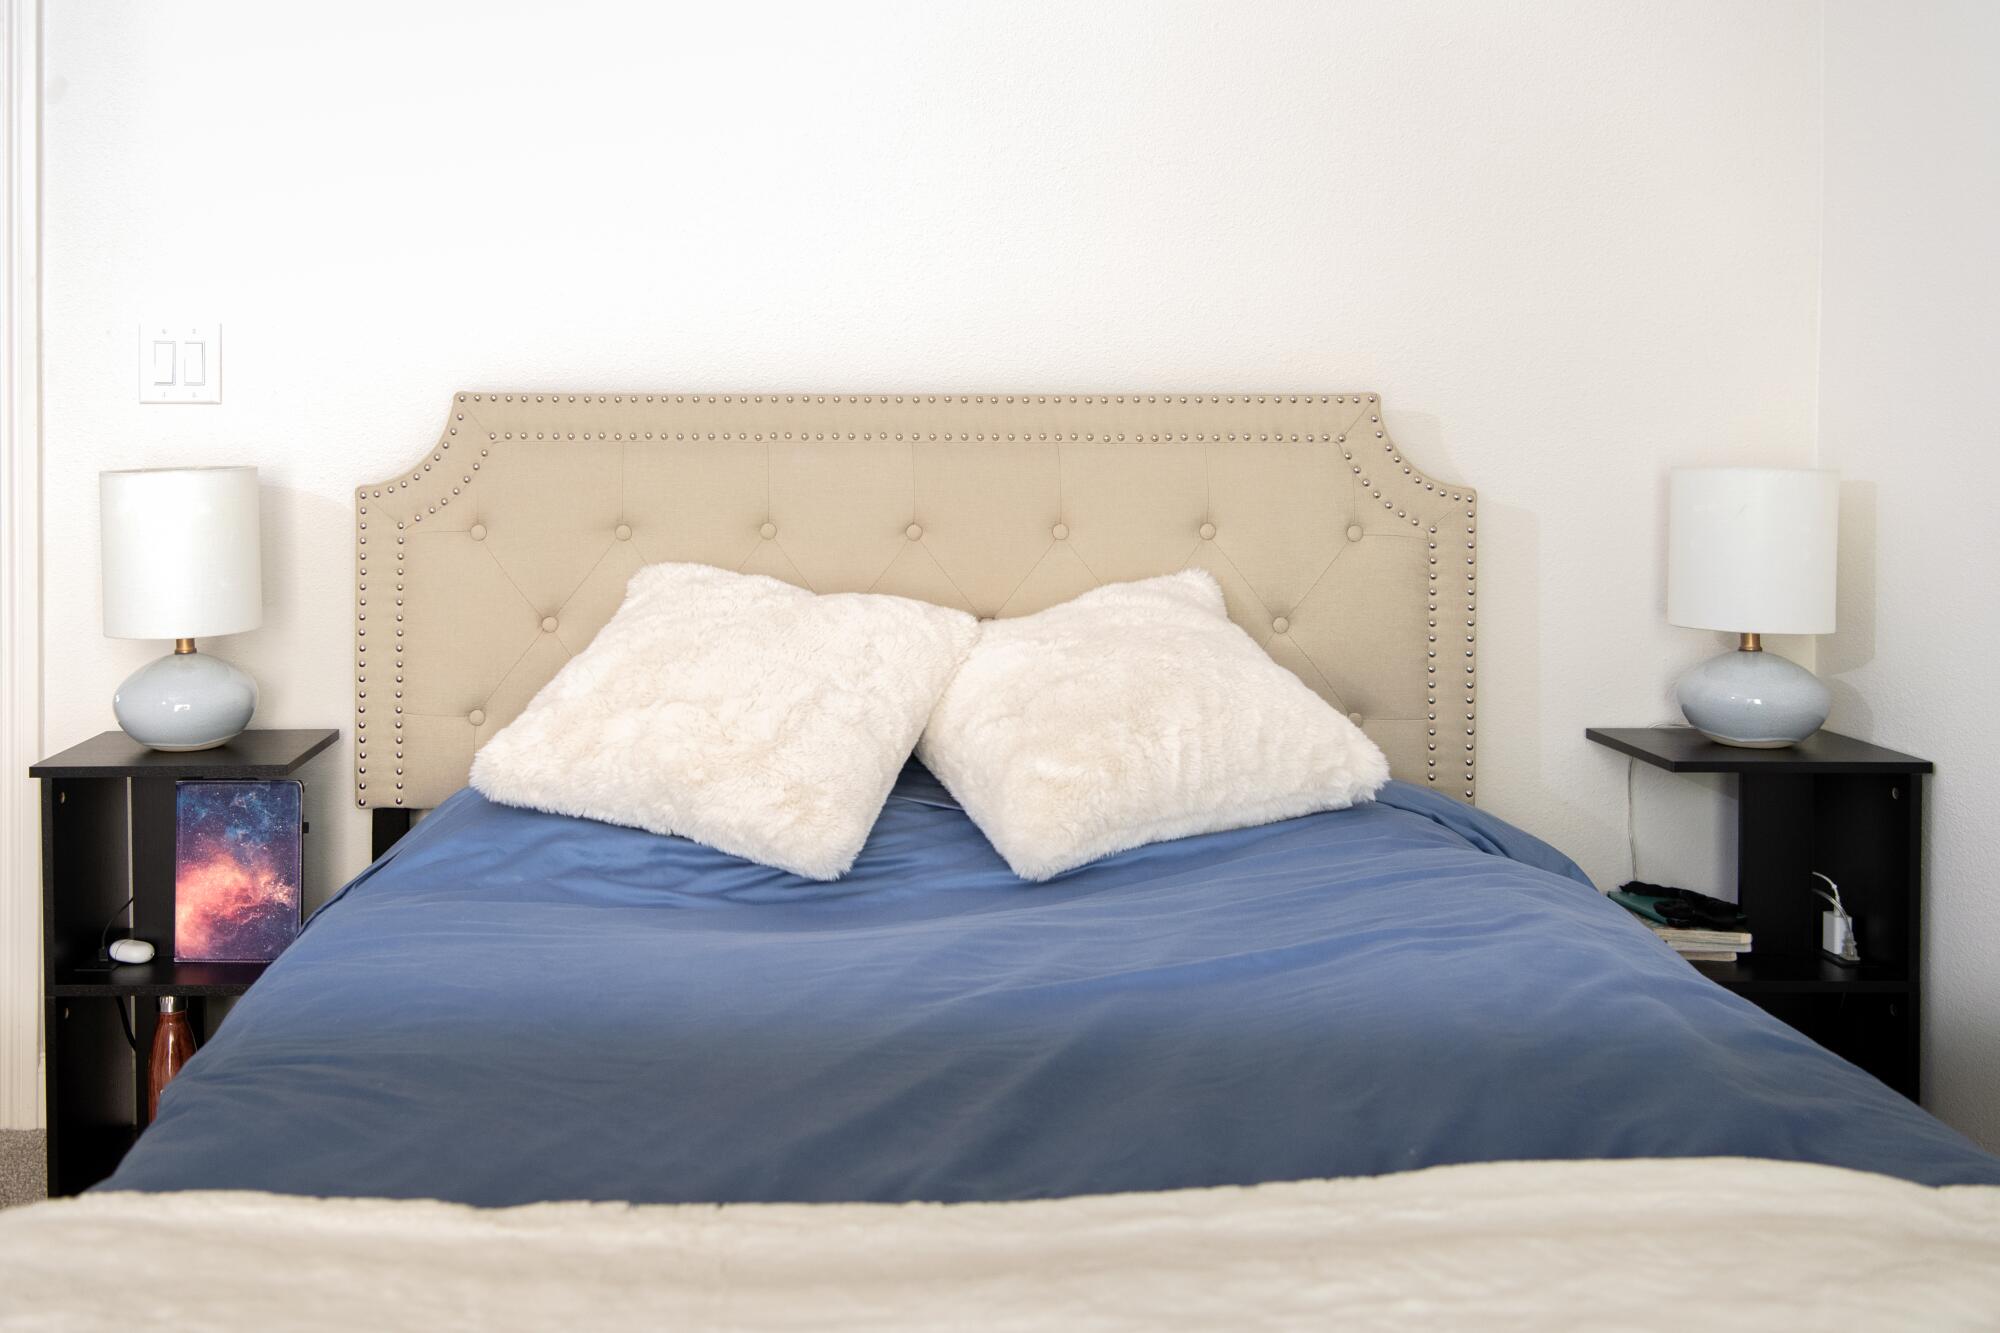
[
  {"x": 185, "y": 701},
  {"x": 1753, "y": 699}
]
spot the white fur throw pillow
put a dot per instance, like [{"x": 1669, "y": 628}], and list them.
[
  {"x": 735, "y": 710},
  {"x": 1136, "y": 713}
]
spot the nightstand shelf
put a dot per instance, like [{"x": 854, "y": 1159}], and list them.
[
  {"x": 1855, "y": 812},
  {"x": 157, "y": 978},
  {"x": 253, "y": 755},
  {"x": 1751, "y": 974},
  {"x": 108, "y": 819},
  {"x": 1685, "y": 750}
]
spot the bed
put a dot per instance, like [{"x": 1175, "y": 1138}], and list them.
[
  {"x": 516, "y": 1007},
  {"x": 1242, "y": 1066}
]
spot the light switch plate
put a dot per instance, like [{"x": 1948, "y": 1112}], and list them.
[{"x": 180, "y": 362}]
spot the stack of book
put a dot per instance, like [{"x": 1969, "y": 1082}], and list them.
[
  {"x": 1704, "y": 946},
  {"x": 1701, "y": 929}
]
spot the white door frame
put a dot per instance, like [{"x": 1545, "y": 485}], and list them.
[{"x": 20, "y": 565}]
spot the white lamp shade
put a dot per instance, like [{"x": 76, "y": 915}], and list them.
[
  {"x": 181, "y": 554},
  {"x": 1752, "y": 550}
]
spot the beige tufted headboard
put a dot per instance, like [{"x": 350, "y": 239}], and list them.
[{"x": 483, "y": 568}]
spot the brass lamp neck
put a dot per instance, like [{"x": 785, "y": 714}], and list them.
[
  {"x": 182, "y": 647},
  {"x": 1745, "y": 643}
]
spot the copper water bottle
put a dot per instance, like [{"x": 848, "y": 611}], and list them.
[{"x": 173, "y": 1043}]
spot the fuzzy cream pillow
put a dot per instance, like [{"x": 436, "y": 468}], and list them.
[
  {"x": 1136, "y": 713},
  {"x": 735, "y": 710}
]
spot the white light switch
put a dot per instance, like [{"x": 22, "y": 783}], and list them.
[{"x": 180, "y": 362}]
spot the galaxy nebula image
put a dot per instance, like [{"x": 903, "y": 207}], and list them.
[{"x": 237, "y": 871}]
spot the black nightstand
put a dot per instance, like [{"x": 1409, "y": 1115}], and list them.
[
  {"x": 1856, "y": 812},
  {"x": 108, "y": 831}
]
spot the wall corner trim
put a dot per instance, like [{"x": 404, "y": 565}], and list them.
[{"x": 21, "y": 580}]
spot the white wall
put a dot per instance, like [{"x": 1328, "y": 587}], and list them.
[
  {"x": 1910, "y": 342},
  {"x": 1570, "y": 243}
]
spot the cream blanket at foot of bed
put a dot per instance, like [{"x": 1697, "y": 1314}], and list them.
[{"x": 1646, "y": 1244}]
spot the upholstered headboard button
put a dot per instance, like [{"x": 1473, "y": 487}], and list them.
[
  {"x": 478, "y": 532},
  {"x": 1281, "y": 626},
  {"x": 623, "y": 533},
  {"x": 913, "y": 532},
  {"x": 1208, "y": 532},
  {"x": 768, "y": 531},
  {"x": 1354, "y": 532},
  {"x": 548, "y": 624},
  {"x": 1060, "y": 532},
  {"x": 477, "y": 717}
]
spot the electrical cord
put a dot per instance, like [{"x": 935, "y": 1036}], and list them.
[
  {"x": 1631, "y": 803},
  {"x": 104, "y": 936},
  {"x": 104, "y": 951}
]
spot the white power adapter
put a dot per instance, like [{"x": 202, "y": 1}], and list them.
[{"x": 1836, "y": 928}]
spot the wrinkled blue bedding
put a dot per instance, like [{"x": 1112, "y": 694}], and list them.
[{"x": 515, "y": 1006}]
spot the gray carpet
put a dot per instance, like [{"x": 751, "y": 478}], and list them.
[{"x": 21, "y": 1177}]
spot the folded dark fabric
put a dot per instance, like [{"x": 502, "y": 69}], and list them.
[{"x": 1678, "y": 907}]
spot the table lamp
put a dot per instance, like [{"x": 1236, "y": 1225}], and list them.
[
  {"x": 1751, "y": 550},
  {"x": 181, "y": 562}
]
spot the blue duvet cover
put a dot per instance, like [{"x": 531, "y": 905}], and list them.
[{"x": 516, "y": 1006}]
